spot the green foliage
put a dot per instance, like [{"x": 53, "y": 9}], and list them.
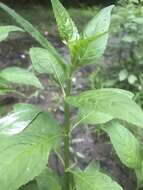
[
  {"x": 20, "y": 76},
  {"x": 101, "y": 106},
  {"x": 28, "y": 27},
  {"x": 30, "y": 186},
  {"x": 67, "y": 29},
  {"x": 28, "y": 134},
  {"x": 44, "y": 62},
  {"x": 48, "y": 180},
  {"x": 125, "y": 143},
  {"x": 25, "y": 145},
  {"x": 91, "y": 47},
  {"x": 88, "y": 50},
  {"x": 127, "y": 27},
  {"x": 5, "y": 30},
  {"x": 94, "y": 180}
]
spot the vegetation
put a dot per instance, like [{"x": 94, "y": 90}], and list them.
[{"x": 28, "y": 134}]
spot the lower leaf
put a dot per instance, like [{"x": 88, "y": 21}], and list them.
[
  {"x": 23, "y": 156},
  {"x": 30, "y": 186},
  {"x": 48, "y": 180},
  {"x": 93, "y": 180},
  {"x": 125, "y": 144}
]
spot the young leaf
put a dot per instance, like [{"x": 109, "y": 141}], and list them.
[
  {"x": 44, "y": 62},
  {"x": 100, "y": 23},
  {"x": 48, "y": 180},
  {"x": 28, "y": 27},
  {"x": 100, "y": 106},
  {"x": 5, "y": 30},
  {"x": 93, "y": 180},
  {"x": 125, "y": 144},
  {"x": 20, "y": 76},
  {"x": 89, "y": 50},
  {"x": 66, "y": 26},
  {"x": 25, "y": 155}
]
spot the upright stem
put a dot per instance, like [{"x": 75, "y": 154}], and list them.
[{"x": 66, "y": 138}]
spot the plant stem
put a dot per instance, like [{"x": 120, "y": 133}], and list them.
[{"x": 67, "y": 125}]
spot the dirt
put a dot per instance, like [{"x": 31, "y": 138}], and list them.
[{"x": 85, "y": 146}]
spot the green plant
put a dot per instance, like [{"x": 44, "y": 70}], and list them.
[{"x": 28, "y": 134}]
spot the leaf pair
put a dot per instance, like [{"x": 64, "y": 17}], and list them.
[
  {"x": 27, "y": 136},
  {"x": 88, "y": 47},
  {"x": 91, "y": 46}
]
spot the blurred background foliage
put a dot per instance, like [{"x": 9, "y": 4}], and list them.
[{"x": 126, "y": 47}]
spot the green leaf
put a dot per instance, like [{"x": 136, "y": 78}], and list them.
[
  {"x": 28, "y": 27},
  {"x": 24, "y": 154},
  {"x": 48, "y": 180},
  {"x": 19, "y": 119},
  {"x": 20, "y": 76},
  {"x": 5, "y": 30},
  {"x": 139, "y": 176},
  {"x": 44, "y": 62},
  {"x": 101, "y": 106},
  {"x": 93, "y": 166},
  {"x": 30, "y": 186},
  {"x": 125, "y": 144},
  {"x": 93, "y": 180},
  {"x": 66, "y": 26},
  {"x": 100, "y": 23},
  {"x": 89, "y": 50}
]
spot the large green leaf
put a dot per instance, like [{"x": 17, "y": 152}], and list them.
[
  {"x": 5, "y": 30},
  {"x": 28, "y": 27},
  {"x": 20, "y": 76},
  {"x": 125, "y": 144},
  {"x": 44, "y": 62},
  {"x": 100, "y": 106},
  {"x": 24, "y": 154},
  {"x": 48, "y": 180},
  {"x": 66, "y": 26},
  {"x": 91, "y": 48},
  {"x": 94, "y": 180}
]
